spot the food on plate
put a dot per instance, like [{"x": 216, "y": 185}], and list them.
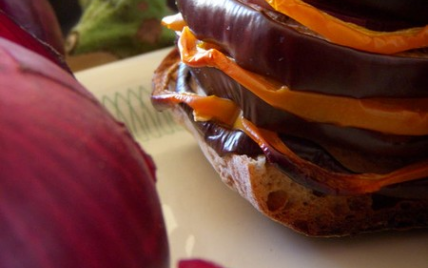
[{"x": 315, "y": 111}]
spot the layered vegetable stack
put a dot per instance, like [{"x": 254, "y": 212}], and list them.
[{"x": 332, "y": 93}]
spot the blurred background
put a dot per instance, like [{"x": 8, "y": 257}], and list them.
[
  {"x": 69, "y": 11},
  {"x": 101, "y": 31}
]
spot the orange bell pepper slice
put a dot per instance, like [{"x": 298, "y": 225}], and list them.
[
  {"x": 205, "y": 108},
  {"x": 332, "y": 182},
  {"x": 386, "y": 115},
  {"x": 174, "y": 22},
  {"x": 349, "y": 34}
]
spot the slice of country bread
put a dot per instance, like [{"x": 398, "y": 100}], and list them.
[{"x": 278, "y": 197}]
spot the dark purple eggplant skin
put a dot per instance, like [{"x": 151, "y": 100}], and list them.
[
  {"x": 259, "y": 42},
  {"x": 373, "y": 16},
  {"x": 411, "y": 10},
  {"x": 388, "y": 151},
  {"x": 229, "y": 141}
]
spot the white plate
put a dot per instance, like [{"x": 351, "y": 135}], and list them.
[{"x": 207, "y": 220}]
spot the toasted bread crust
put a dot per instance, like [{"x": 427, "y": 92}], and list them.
[
  {"x": 274, "y": 194},
  {"x": 278, "y": 197}
]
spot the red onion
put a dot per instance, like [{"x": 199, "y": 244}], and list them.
[
  {"x": 37, "y": 17},
  {"x": 197, "y": 263},
  {"x": 76, "y": 189},
  {"x": 10, "y": 30}
]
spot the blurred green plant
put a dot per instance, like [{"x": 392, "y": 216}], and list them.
[{"x": 123, "y": 28}]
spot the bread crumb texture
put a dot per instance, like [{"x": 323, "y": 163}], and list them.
[{"x": 311, "y": 213}]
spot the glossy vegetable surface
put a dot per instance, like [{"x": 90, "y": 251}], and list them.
[
  {"x": 363, "y": 150},
  {"x": 412, "y": 10},
  {"x": 76, "y": 189},
  {"x": 310, "y": 174},
  {"x": 352, "y": 35},
  {"x": 367, "y": 17},
  {"x": 12, "y": 31},
  {"x": 275, "y": 48},
  {"x": 38, "y": 18},
  {"x": 391, "y": 116}
]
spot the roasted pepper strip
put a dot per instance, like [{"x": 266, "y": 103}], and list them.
[
  {"x": 174, "y": 22},
  {"x": 392, "y": 116},
  {"x": 205, "y": 108},
  {"x": 323, "y": 180},
  {"x": 349, "y": 34},
  {"x": 308, "y": 173}
]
